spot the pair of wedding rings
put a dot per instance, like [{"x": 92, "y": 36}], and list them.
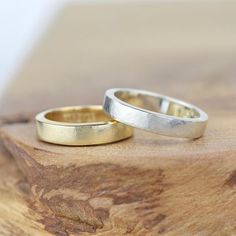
[{"x": 122, "y": 110}]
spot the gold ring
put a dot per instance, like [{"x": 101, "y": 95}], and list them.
[{"x": 80, "y": 125}]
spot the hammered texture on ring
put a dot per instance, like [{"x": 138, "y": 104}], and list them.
[{"x": 155, "y": 113}]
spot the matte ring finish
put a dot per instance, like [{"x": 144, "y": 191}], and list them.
[
  {"x": 155, "y": 113},
  {"x": 80, "y": 125}
]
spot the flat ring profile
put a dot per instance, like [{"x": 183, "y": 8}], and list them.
[
  {"x": 80, "y": 125},
  {"x": 155, "y": 113}
]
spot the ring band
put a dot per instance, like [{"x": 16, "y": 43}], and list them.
[
  {"x": 80, "y": 125},
  {"x": 155, "y": 113}
]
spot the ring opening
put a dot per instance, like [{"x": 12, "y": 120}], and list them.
[
  {"x": 78, "y": 115},
  {"x": 157, "y": 104}
]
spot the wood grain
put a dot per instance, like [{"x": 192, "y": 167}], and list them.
[
  {"x": 16, "y": 214},
  {"x": 146, "y": 185}
]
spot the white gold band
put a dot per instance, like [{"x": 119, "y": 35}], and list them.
[{"x": 155, "y": 113}]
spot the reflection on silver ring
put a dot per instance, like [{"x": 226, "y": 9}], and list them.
[{"x": 155, "y": 113}]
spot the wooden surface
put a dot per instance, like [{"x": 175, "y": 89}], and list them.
[
  {"x": 18, "y": 215},
  {"x": 146, "y": 185}
]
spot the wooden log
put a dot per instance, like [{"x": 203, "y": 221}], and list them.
[{"x": 146, "y": 185}]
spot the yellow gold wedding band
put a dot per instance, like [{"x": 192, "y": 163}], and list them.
[{"x": 80, "y": 125}]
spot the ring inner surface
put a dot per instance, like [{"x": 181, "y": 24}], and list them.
[
  {"x": 80, "y": 115},
  {"x": 157, "y": 104}
]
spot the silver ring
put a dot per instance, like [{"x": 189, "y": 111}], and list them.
[{"x": 155, "y": 113}]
